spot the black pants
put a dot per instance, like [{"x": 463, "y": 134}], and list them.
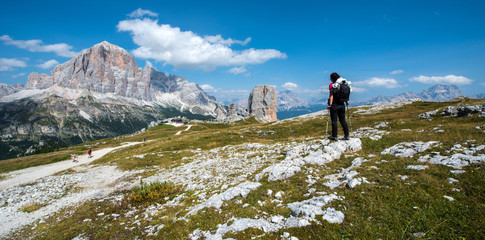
[{"x": 338, "y": 110}]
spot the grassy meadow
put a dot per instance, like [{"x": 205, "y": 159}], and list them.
[{"x": 389, "y": 207}]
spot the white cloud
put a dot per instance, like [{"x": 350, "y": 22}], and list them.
[
  {"x": 8, "y": 64},
  {"x": 35, "y": 45},
  {"x": 379, "y": 82},
  {"x": 289, "y": 86},
  {"x": 395, "y": 72},
  {"x": 49, "y": 64},
  {"x": 138, "y": 13},
  {"x": 19, "y": 75},
  {"x": 237, "y": 70},
  {"x": 186, "y": 49},
  {"x": 448, "y": 79},
  {"x": 358, "y": 90},
  {"x": 208, "y": 88},
  {"x": 228, "y": 42}
]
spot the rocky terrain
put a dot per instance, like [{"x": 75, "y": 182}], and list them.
[{"x": 398, "y": 176}]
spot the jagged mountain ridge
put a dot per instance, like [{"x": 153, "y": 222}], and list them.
[{"x": 435, "y": 93}]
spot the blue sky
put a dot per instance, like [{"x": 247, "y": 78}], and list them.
[{"x": 228, "y": 47}]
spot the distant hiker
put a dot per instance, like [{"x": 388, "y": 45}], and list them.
[
  {"x": 89, "y": 153},
  {"x": 339, "y": 96},
  {"x": 74, "y": 158},
  {"x": 144, "y": 139}
]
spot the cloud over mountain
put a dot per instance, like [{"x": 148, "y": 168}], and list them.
[
  {"x": 48, "y": 64},
  {"x": 379, "y": 82},
  {"x": 8, "y": 64},
  {"x": 186, "y": 49},
  {"x": 448, "y": 79}
]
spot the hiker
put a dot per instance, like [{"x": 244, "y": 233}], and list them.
[
  {"x": 339, "y": 96},
  {"x": 89, "y": 153},
  {"x": 74, "y": 158}
]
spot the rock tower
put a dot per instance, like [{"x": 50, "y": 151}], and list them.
[{"x": 262, "y": 103}]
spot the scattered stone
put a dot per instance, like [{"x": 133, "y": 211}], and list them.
[
  {"x": 419, "y": 234},
  {"x": 457, "y": 160},
  {"x": 417, "y": 167},
  {"x": 452, "y": 180},
  {"x": 408, "y": 149},
  {"x": 217, "y": 200},
  {"x": 346, "y": 176},
  {"x": 381, "y": 125},
  {"x": 403, "y": 177},
  {"x": 293, "y": 162},
  {"x": 279, "y": 195},
  {"x": 457, "y": 171},
  {"x": 449, "y": 198},
  {"x": 372, "y": 133},
  {"x": 311, "y": 207}
]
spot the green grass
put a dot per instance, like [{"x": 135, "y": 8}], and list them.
[{"x": 387, "y": 208}]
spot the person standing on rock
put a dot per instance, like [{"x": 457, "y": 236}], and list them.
[
  {"x": 89, "y": 153},
  {"x": 339, "y": 96}
]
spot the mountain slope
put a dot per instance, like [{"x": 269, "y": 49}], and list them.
[{"x": 399, "y": 177}]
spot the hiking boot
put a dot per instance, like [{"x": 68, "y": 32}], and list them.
[
  {"x": 346, "y": 138},
  {"x": 333, "y": 138}
]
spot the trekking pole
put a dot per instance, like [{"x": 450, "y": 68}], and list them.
[
  {"x": 326, "y": 129},
  {"x": 350, "y": 122}
]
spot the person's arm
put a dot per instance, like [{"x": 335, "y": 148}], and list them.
[{"x": 330, "y": 101}]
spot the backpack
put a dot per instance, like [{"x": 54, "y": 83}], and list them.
[{"x": 341, "y": 91}]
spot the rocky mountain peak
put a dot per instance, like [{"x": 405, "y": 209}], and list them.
[
  {"x": 104, "y": 68},
  {"x": 288, "y": 100},
  {"x": 440, "y": 92}
]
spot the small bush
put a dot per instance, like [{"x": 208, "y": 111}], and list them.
[{"x": 148, "y": 193}]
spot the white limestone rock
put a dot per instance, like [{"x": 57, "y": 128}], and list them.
[{"x": 408, "y": 149}]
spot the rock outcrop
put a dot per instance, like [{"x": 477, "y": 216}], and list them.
[
  {"x": 458, "y": 111},
  {"x": 262, "y": 103}
]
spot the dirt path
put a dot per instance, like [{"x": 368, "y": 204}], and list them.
[
  {"x": 187, "y": 129},
  {"x": 28, "y": 175}
]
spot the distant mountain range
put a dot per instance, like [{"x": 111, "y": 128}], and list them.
[
  {"x": 435, "y": 93},
  {"x": 291, "y": 105}
]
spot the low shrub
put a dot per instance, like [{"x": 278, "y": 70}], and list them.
[{"x": 148, "y": 193}]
